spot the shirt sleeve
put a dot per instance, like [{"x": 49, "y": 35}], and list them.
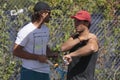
[{"x": 22, "y": 38}]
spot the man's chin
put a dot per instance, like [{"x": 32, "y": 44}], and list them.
[{"x": 79, "y": 31}]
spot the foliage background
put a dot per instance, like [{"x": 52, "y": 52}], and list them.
[{"x": 105, "y": 24}]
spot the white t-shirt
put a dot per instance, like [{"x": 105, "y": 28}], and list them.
[{"x": 34, "y": 41}]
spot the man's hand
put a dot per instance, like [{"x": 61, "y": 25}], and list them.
[
  {"x": 53, "y": 55},
  {"x": 42, "y": 58},
  {"x": 67, "y": 58}
]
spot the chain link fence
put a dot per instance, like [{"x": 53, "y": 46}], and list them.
[{"x": 16, "y": 13}]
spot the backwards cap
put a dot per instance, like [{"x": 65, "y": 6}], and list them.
[
  {"x": 82, "y": 15},
  {"x": 41, "y": 6}
]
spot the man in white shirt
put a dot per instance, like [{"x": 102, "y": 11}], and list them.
[{"x": 31, "y": 45}]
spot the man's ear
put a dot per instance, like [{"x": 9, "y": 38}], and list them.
[{"x": 87, "y": 23}]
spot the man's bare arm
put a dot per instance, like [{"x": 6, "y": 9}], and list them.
[
  {"x": 19, "y": 52},
  {"x": 69, "y": 44},
  {"x": 92, "y": 46}
]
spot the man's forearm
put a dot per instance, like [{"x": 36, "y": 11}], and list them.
[
  {"x": 69, "y": 44},
  {"x": 91, "y": 46},
  {"x": 81, "y": 52},
  {"x": 25, "y": 55}
]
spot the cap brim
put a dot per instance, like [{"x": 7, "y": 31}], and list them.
[{"x": 76, "y": 17}]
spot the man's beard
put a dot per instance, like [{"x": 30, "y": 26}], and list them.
[
  {"x": 79, "y": 31},
  {"x": 47, "y": 19}
]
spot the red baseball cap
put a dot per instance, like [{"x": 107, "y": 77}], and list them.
[{"x": 82, "y": 15}]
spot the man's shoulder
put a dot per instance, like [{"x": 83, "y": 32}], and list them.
[
  {"x": 93, "y": 35},
  {"x": 28, "y": 25},
  {"x": 25, "y": 30}
]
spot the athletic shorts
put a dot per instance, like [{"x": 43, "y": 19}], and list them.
[{"x": 27, "y": 74}]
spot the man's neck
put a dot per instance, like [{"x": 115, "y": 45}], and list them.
[
  {"x": 38, "y": 24},
  {"x": 85, "y": 32}
]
